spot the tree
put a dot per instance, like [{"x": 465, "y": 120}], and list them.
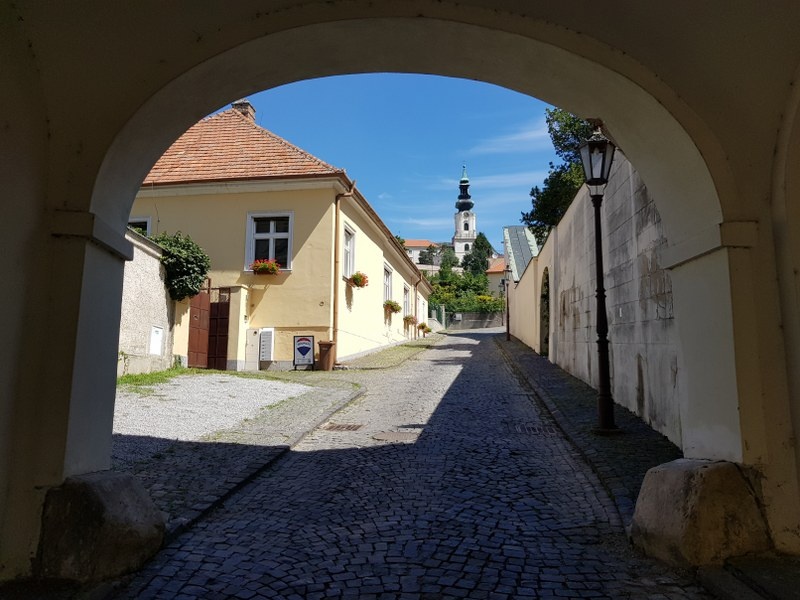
[
  {"x": 550, "y": 202},
  {"x": 447, "y": 261},
  {"x": 429, "y": 255},
  {"x": 477, "y": 260},
  {"x": 185, "y": 263},
  {"x": 401, "y": 240}
]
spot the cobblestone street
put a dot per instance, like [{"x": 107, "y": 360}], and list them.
[{"x": 445, "y": 479}]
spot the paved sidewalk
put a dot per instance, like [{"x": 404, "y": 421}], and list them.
[{"x": 621, "y": 461}]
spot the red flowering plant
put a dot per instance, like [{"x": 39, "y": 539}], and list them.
[
  {"x": 358, "y": 279},
  {"x": 264, "y": 266}
]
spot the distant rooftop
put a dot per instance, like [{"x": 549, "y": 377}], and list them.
[
  {"x": 520, "y": 247},
  {"x": 497, "y": 265},
  {"x": 420, "y": 243}
]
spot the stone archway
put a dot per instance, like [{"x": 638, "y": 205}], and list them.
[{"x": 92, "y": 168}]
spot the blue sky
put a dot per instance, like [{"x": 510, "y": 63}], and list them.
[{"x": 403, "y": 138}]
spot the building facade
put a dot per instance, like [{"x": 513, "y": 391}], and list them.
[{"x": 244, "y": 194}]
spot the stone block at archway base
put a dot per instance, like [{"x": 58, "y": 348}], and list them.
[
  {"x": 698, "y": 512},
  {"x": 97, "y": 526}
]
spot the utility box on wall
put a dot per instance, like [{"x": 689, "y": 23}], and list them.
[
  {"x": 266, "y": 349},
  {"x": 259, "y": 347}
]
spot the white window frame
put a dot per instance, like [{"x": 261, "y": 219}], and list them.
[
  {"x": 348, "y": 252},
  {"x": 387, "y": 282},
  {"x": 140, "y": 219},
  {"x": 406, "y": 301},
  {"x": 251, "y": 237}
]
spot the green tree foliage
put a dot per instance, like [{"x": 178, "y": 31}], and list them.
[
  {"x": 447, "y": 261},
  {"x": 550, "y": 202},
  {"x": 464, "y": 293},
  {"x": 401, "y": 240},
  {"x": 429, "y": 255},
  {"x": 477, "y": 260},
  {"x": 185, "y": 263}
]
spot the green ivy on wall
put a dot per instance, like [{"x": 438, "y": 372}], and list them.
[{"x": 185, "y": 263}]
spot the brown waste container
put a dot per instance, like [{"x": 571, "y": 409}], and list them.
[{"x": 326, "y": 355}]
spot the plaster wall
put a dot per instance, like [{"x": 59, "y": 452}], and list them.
[
  {"x": 363, "y": 323},
  {"x": 296, "y": 301},
  {"x": 145, "y": 304},
  {"x": 645, "y": 373},
  {"x": 523, "y": 306}
]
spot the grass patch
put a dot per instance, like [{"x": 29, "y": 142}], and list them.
[{"x": 143, "y": 382}]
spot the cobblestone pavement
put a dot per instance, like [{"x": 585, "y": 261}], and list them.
[{"x": 444, "y": 480}]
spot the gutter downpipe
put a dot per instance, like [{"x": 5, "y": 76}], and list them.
[
  {"x": 416, "y": 307},
  {"x": 337, "y": 267}
]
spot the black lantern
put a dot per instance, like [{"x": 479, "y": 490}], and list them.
[{"x": 597, "y": 153}]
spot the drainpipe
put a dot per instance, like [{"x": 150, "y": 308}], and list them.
[
  {"x": 337, "y": 267},
  {"x": 416, "y": 306}
]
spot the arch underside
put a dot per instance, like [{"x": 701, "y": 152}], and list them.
[{"x": 689, "y": 205}]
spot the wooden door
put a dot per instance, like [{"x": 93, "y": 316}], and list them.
[
  {"x": 199, "y": 309},
  {"x": 219, "y": 319}
]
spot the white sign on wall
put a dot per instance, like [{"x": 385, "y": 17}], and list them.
[{"x": 156, "y": 340}]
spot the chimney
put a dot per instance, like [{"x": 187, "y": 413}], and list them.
[{"x": 244, "y": 107}]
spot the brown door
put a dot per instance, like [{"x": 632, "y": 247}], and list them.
[
  {"x": 198, "y": 330},
  {"x": 218, "y": 328}
]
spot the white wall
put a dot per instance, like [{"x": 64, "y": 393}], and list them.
[
  {"x": 646, "y": 371},
  {"x": 145, "y": 304}
]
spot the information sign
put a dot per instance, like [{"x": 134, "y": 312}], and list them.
[{"x": 303, "y": 350}]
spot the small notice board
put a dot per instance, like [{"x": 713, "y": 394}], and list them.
[{"x": 303, "y": 350}]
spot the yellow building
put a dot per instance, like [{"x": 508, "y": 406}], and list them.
[{"x": 243, "y": 193}]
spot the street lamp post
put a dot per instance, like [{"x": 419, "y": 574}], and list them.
[{"x": 597, "y": 153}]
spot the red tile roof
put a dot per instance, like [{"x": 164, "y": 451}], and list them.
[
  {"x": 230, "y": 146},
  {"x": 420, "y": 243},
  {"x": 496, "y": 265}
]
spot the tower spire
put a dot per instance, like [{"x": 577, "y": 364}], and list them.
[{"x": 464, "y": 201}]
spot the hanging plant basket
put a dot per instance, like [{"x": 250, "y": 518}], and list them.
[
  {"x": 410, "y": 320},
  {"x": 358, "y": 280},
  {"x": 265, "y": 266},
  {"x": 392, "y": 306}
]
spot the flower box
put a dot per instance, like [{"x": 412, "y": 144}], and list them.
[
  {"x": 358, "y": 280},
  {"x": 392, "y": 306},
  {"x": 265, "y": 266}
]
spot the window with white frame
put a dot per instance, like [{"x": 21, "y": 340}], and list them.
[
  {"x": 140, "y": 224},
  {"x": 387, "y": 283},
  {"x": 269, "y": 236},
  {"x": 349, "y": 252},
  {"x": 406, "y": 301}
]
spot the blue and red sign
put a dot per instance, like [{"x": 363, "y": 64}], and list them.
[{"x": 303, "y": 350}]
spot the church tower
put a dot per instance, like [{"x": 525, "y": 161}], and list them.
[{"x": 466, "y": 229}]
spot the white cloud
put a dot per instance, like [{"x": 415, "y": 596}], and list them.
[
  {"x": 530, "y": 137},
  {"x": 385, "y": 196},
  {"x": 524, "y": 179},
  {"x": 427, "y": 223}
]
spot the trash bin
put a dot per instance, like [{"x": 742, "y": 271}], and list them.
[{"x": 326, "y": 355}]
